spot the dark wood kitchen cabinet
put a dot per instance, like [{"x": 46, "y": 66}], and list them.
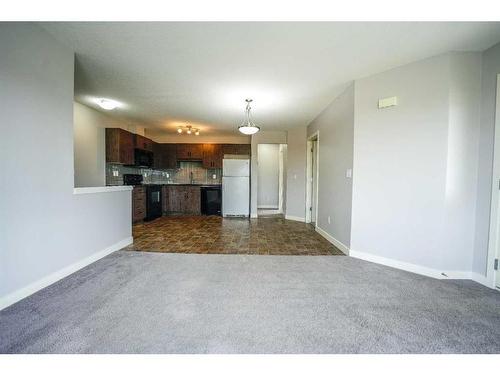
[
  {"x": 138, "y": 203},
  {"x": 189, "y": 151},
  {"x": 236, "y": 149},
  {"x": 212, "y": 156},
  {"x": 119, "y": 146},
  {"x": 143, "y": 143},
  {"x": 182, "y": 199},
  {"x": 165, "y": 156}
]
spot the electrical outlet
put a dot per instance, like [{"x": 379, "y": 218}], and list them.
[
  {"x": 348, "y": 173},
  {"x": 115, "y": 174},
  {"x": 329, "y": 221},
  {"x": 168, "y": 175},
  {"x": 214, "y": 177}
]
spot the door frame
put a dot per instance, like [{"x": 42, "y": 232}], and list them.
[
  {"x": 309, "y": 182},
  {"x": 494, "y": 233}
]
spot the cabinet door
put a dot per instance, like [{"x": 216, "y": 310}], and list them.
[
  {"x": 229, "y": 149},
  {"x": 192, "y": 200},
  {"x": 138, "y": 204},
  {"x": 243, "y": 149},
  {"x": 183, "y": 151},
  {"x": 170, "y": 156},
  {"x": 143, "y": 143},
  {"x": 175, "y": 198},
  {"x": 208, "y": 155},
  {"x": 119, "y": 146},
  {"x": 217, "y": 157},
  {"x": 158, "y": 156},
  {"x": 196, "y": 151},
  {"x": 164, "y": 199}
]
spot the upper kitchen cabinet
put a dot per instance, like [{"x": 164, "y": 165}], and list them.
[
  {"x": 212, "y": 156},
  {"x": 119, "y": 146},
  {"x": 165, "y": 155},
  {"x": 234, "y": 149},
  {"x": 189, "y": 151},
  {"x": 143, "y": 143}
]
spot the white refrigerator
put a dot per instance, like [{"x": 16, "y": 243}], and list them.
[{"x": 235, "y": 187}]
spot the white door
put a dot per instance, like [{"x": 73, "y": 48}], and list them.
[
  {"x": 235, "y": 196},
  {"x": 314, "y": 163}
]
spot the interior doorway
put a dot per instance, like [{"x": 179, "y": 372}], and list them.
[
  {"x": 271, "y": 159},
  {"x": 312, "y": 179},
  {"x": 493, "y": 266}
]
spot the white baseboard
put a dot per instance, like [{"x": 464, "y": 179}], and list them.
[
  {"x": 19, "y": 294},
  {"x": 342, "y": 247},
  {"x": 421, "y": 270},
  {"x": 269, "y": 207},
  {"x": 254, "y": 216},
  {"x": 481, "y": 279},
  {"x": 295, "y": 218}
]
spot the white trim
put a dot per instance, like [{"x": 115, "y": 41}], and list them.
[
  {"x": 270, "y": 206},
  {"x": 294, "y": 218},
  {"x": 253, "y": 216},
  {"x": 494, "y": 240},
  {"x": 309, "y": 177},
  {"x": 101, "y": 189},
  {"x": 481, "y": 279},
  {"x": 338, "y": 244},
  {"x": 421, "y": 270},
  {"x": 269, "y": 212},
  {"x": 44, "y": 282}
]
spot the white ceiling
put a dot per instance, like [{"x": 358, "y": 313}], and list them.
[{"x": 172, "y": 73}]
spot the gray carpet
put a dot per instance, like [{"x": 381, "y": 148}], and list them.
[{"x": 134, "y": 302}]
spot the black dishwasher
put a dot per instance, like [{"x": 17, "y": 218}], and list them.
[
  {"x": 153, "y": 202},
  {"x": 211, "y": 198}
]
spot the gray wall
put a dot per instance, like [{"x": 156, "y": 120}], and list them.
[
  {"x": 44, "y": 227},
  {"x": 490, "y": 69},
  {"x": 414, "y": 180},
  {"x": 336, "y": 131},
  {"x": 296, "y": 173},
  {"x": 269, "y": 175}
]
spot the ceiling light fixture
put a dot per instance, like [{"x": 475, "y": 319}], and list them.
[
  {"x": 248, "y": 127},
  {"x": 107, "y": 104},
  {"x": 188, "y": 129}
]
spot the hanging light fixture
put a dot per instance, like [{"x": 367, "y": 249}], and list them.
[
  {"x": 248, "y": 127},
  {"x": 188, "y": 129}
]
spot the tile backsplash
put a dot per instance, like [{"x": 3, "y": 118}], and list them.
[{"x": 181, "y": 175}]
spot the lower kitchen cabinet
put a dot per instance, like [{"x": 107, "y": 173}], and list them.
[
  {"x": 138, "y": 203},
  {"x": 182, "y": 199}
]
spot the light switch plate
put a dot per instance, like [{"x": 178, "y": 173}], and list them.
[
  {"x": 348, "y": 173},
  {"x": 387, "y": 102}
]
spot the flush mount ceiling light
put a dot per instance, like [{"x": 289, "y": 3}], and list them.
[
  {"x": 107, "y": 104},
  {"x": 188, "y": 129},
  {"x": 248, "y": 127}
]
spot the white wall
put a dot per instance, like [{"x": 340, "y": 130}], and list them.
[
  {"x": 44, "y": 227},
  {"x": 268, "y": 176},
  {"x": 490, "y": 69},
  {"x": 412, "y": 190},
  {"x": 90, "y": 145},
  {"x": 296, "y": 173},
  {"x": 276, "y": 137},
  {"x": 336, "y": 131}
]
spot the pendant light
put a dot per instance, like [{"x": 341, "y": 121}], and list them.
[{"x": 248, "y": 127}]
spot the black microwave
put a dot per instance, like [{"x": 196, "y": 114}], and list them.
[{"x": 143, "y": 158}]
